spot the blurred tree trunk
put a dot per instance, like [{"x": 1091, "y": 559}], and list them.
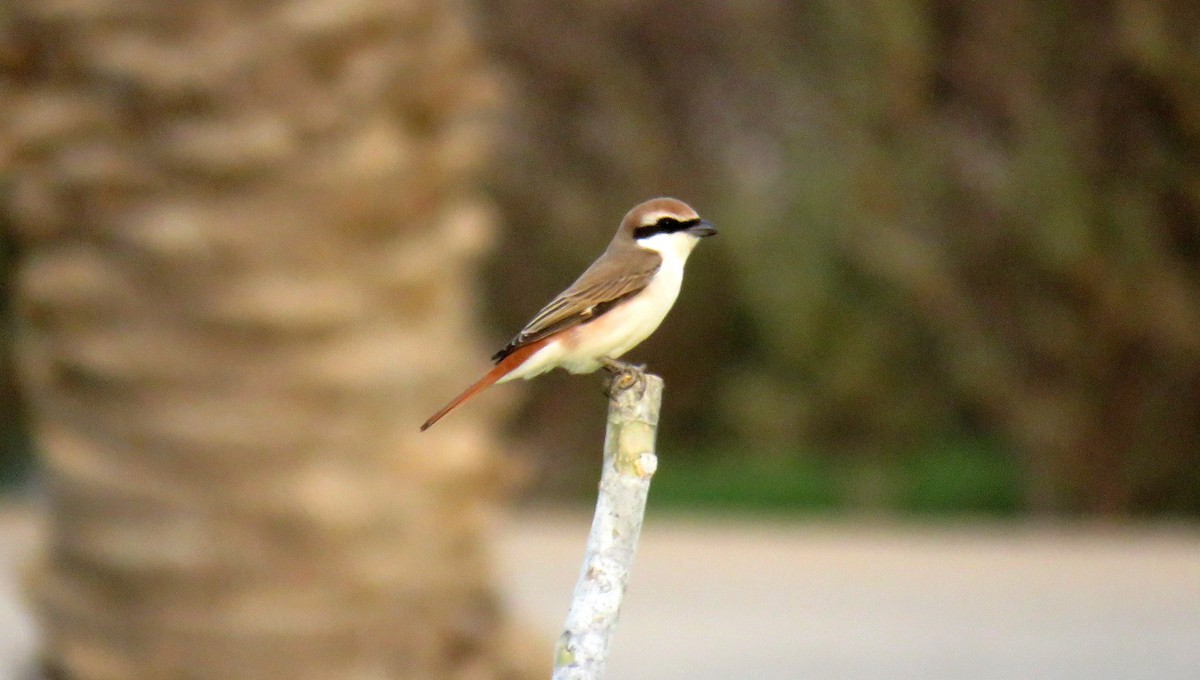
[
  {"x": 244, "y": 226},
  {"x": 14, "y": 445}
]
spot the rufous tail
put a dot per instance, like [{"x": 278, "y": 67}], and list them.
[{"x": 501, "y": 369}]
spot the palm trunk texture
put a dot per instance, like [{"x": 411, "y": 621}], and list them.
[{"x": 241, "y": 226}]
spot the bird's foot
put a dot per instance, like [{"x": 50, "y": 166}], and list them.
[{"x": 622, "y": 376}]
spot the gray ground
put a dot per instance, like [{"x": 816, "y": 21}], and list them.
[
  {"x": 750, "y": 600},
  {"x": 16, "y": 631}
]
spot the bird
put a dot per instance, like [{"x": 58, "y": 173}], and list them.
[{"x": 613, "y": 306}]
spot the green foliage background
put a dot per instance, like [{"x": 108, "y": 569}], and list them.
[{"x": 941, "y": 222}]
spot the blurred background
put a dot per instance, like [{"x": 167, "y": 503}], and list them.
[
  {"x": 248, "y": 246},
  {"x": 959, "y": 256}
]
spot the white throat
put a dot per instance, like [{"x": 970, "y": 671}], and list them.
[{"x": 674, "y": 247}]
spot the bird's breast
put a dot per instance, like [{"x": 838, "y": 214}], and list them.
[
  {"x": 623, "y": 327},
  {"x": 612, "y": 334}
]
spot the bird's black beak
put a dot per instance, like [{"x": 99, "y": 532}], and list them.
[{"x": 702, "y": 228}]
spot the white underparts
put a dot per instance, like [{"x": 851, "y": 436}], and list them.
[{"x": 620, "y": 329}]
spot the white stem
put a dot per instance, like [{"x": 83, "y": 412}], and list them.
[{"x": 629, "y": 463}]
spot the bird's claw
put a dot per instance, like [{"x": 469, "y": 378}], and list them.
[{"x": 623, "y": 376}]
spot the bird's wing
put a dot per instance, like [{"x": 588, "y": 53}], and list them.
[{"x": 596, "y": 291}]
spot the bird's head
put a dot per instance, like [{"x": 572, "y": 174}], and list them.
[{"x": 666, "y": 225}]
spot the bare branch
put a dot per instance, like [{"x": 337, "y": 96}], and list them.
[{"x": 629, "y": 463}]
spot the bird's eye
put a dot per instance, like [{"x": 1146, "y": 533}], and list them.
[{"x": 663, "y": 225}]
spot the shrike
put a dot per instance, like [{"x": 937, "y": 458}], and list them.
[{"x": 614, "y": 305}]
